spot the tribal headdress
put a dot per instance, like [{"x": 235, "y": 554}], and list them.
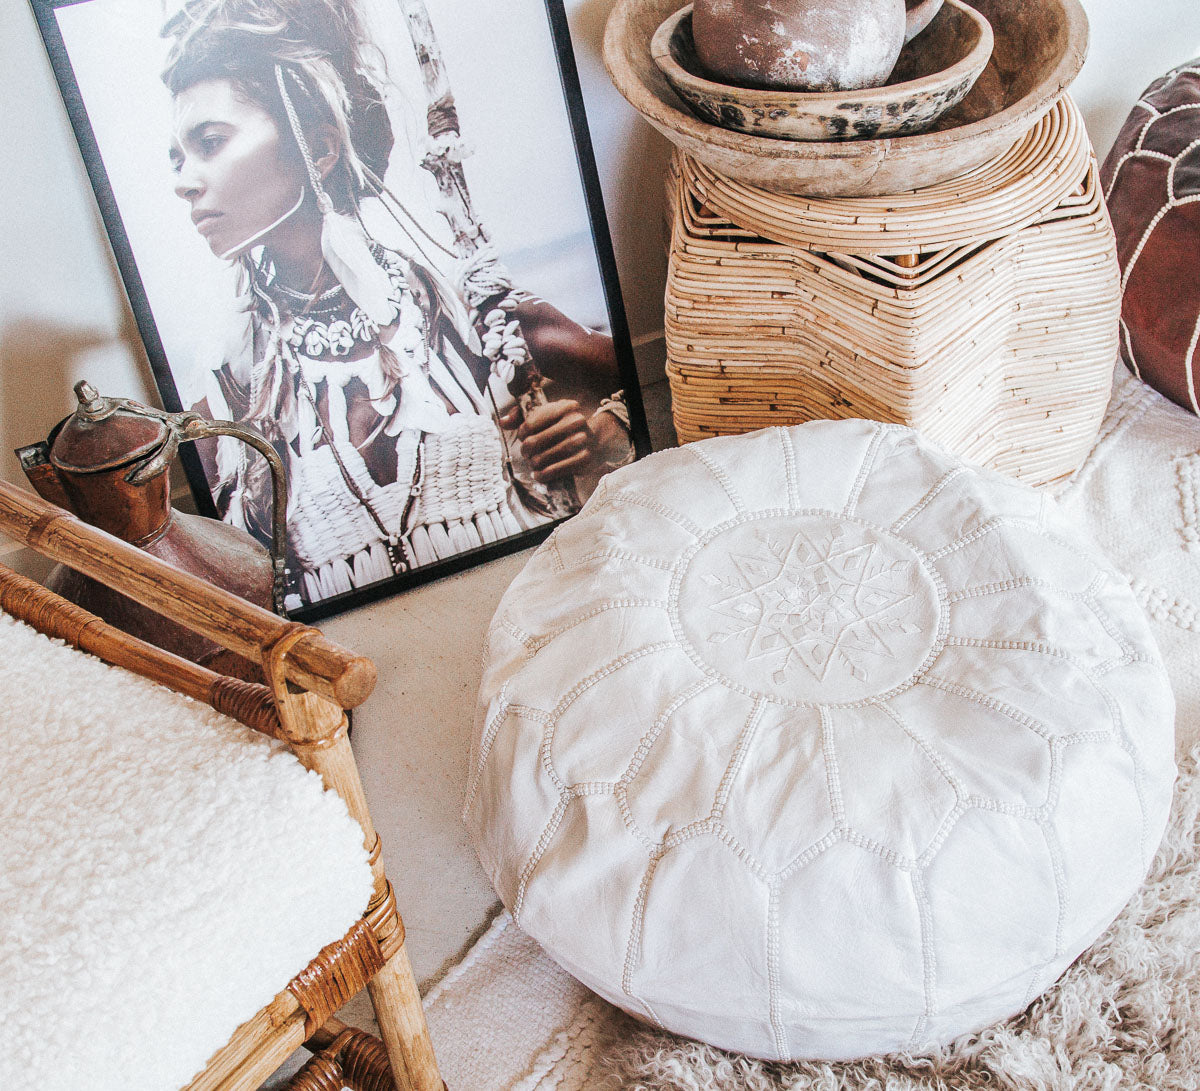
[{"x": 307, "y": 63}]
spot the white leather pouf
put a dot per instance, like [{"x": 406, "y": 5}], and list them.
[{"x": 815, "y": 743}]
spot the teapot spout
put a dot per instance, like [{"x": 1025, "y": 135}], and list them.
[{"x": 42, "y": 475}]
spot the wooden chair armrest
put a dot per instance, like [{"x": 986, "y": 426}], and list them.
[
  {"x": 247, "y": 702},
  {"x": 313, "y": 662}
]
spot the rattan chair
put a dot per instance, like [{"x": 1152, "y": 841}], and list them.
[{"x": 311, "y": 683}]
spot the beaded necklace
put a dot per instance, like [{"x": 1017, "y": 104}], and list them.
[{"x": 328, "y": 322}]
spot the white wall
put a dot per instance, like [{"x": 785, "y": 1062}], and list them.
[{"x": 63, "y": 313}]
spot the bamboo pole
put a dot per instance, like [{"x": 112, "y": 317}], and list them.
[
  {"x": 314, "y": 663},
  {"x": 442, "y": 122},
  {"x": 470, "y": 236},
  {"x": 397, "y": 1004}
]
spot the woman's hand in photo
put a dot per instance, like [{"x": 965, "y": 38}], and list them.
[
  {"x": 583, "y": 360},
  {"x": 558, "y": 440}
]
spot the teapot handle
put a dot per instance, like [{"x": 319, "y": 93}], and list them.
[
  {"x": 188, "y": 427},
  {"x": 919, "y": 16}
]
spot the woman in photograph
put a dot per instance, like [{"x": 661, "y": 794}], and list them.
[{"x": 410, "y": 409}]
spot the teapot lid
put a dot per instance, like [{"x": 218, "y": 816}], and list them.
[{"x": 102, "y": 434}]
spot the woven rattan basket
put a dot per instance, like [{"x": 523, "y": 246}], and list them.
[{"x": 982, "y": 311}]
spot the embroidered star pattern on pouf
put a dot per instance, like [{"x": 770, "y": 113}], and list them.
[{"x": 819, "y": 605}]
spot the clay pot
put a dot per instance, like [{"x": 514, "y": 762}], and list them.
[
  {"x": 1040, "y": 46},
  {"x": 806, "y": 45},
  {"x": 932, "y": 76}
]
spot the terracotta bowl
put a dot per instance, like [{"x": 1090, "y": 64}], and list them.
[
  {"x": 934, "y": 73},
  {"x": 1039, "y": 48}
]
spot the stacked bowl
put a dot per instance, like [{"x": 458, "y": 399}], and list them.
[{"x": 1038, "y": 47}]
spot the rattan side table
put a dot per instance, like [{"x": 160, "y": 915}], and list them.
[{"x": 982, "y": 311}]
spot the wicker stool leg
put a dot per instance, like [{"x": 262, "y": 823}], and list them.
[{"x": 316, "y": 729}]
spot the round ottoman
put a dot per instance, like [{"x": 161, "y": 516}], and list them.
[{"x": 816, "y": 743}]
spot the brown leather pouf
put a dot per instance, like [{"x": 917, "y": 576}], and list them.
[{"x": 1151, "y": 179}]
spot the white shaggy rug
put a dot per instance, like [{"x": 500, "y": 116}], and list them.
[{"x": 1126, "y": 1015}]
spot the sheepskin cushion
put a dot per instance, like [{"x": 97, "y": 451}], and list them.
[
  {"x": 816, "y": 743},
  {"x": 164, "y": 872}
]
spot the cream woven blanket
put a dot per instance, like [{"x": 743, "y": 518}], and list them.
[{"x": 1126, "y": 1015}]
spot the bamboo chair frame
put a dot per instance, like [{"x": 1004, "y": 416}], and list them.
[{"x": 312, "y": 682}]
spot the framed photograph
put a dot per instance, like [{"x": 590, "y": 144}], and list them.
[{"x": 372, "y": 231}]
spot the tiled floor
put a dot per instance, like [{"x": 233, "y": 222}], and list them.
[{"x": 412, "y": 737}]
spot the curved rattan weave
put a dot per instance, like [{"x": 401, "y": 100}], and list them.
[
  {"x": 355, "y": 1059},
  {"x": 1015, "y": 189},
  {"x": 982, "y": 312},
  {"x": 340, "y": 971}
]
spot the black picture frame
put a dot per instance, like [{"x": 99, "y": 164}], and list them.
[{"x": 47, "y": 15}]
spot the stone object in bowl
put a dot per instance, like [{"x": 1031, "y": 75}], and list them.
[
  {"x": 806, "y": 45},
  {"x": 1039, "y": 48},
  {"x": 933, "y": 75}
]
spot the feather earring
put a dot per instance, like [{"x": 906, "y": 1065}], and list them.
[
  {"x": 345, "y": 246},
  {"x": 347, "y": 251}
]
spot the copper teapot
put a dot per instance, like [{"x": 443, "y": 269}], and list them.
[{"x": 108, "y": 464}]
